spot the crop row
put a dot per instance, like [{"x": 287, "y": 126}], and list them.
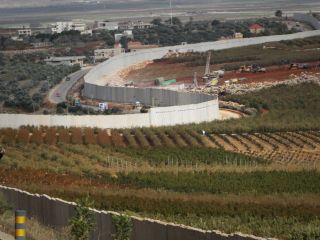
[{"x": 284, "y": 147}]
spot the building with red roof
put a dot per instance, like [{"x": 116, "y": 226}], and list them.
[{"x": 256, "y": 28}]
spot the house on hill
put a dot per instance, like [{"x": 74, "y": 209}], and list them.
[{"x": 256, "y": 28}]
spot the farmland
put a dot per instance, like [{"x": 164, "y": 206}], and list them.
[{"x": 257, "y": 175}]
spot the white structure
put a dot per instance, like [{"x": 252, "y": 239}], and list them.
[
  {"x": 161, "y": 116},
  {"x": 68, "y": 61},
  {"x": 86, "y": 32},
  {"x": 107, "y": 53},
  {"x": 134, "y": 25},
  {"x": 25, "y": 32},
  {"x": 110, "y": 26},
  {"x": 118, "y": 36},
  {"x": 238, "y": 35},
  {"x": 78, "y": 26},
  {"x": 126, "y": 33},
  {"x": 59, "y": 27}
]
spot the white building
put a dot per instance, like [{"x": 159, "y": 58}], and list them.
[
  {"x": 126, "y": 33},
  {"x": 24, "y": 32},
  {"x": 110, "y": 26},
  {"x": 78, "y": 26},
  {"x": 68, "y": 61},
  {"x": 134, "y": 25},
  {"x": 59, "y": 27},
  {"x": 86, "y": 32},
  {"x": 100, "y": 54},
  {"x": 238, "y": 35}
]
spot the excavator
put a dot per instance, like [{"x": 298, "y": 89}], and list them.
[{"x": 211, "y": 78}]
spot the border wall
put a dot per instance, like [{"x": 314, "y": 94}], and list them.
[
  {"x": 117, "y": 63},
  {"x": 301, "y": 17},
  {"x": 56, "y": 213},
  {"x": 147, "y": 96},
  {"x": 161, "y": 116}
]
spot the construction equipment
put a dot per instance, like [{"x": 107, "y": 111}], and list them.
[
  {"x": 299, "y": 66},
  {"x": 210, "y": 77},
  {"x": 254, "y": 68}
]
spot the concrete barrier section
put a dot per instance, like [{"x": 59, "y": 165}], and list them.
[
  {"x": 56, "y": 213},
  {"x": 145, "y": 229}
]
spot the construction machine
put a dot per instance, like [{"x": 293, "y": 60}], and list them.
[
  {"x": 211, "y": 77},
  {"x": 254, "y": 68}
]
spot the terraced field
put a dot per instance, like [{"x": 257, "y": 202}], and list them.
[{"x": 284, "y": 148}]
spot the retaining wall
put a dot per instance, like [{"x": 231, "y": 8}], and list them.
[
  {"x": 56, "y": 213},
  {"x": 161, "y": 116}
]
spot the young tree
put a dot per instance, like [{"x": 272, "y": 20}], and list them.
[
  {"x": 124, "y": 42},
  {"x": 157, "y": 21},
  {"x": 278, "y": 13},
  {"x": 83, "y": 222}
]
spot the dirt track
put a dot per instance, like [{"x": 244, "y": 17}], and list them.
[{"x": 184, "y": 74}]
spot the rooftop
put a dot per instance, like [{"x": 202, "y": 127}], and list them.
[{"x": 256, "y": 26}]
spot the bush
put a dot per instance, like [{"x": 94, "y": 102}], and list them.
[
  {"x": 83, "y": 221},
  {"x": 123, "y": 226}
]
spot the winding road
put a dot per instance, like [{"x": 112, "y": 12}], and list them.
[{"x": 59, "y": 93}]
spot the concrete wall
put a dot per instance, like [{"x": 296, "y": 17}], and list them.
[
  {"x": 56, "y": 213},
  {"x": 162, "y": 116},
  {"x": 147, "y": 96},
  {"x": 315, "y": 23},
  {"x": 113, "y": 65},
  {"x": 95, "y": 85}
]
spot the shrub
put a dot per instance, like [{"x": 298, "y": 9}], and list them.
[
  {"x": 123, "y": 226},
  {"x": 83, "y": 222}
]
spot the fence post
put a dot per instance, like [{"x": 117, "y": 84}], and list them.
[{"x": 20, "y": 224}]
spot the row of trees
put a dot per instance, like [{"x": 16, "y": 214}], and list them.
[{"x": 25, "y": 83}]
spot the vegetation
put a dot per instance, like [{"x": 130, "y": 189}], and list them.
[
  {"x": 283, "y": 52},
  {"x": 82, "y": 223},
  {"x": 267, "y": 186},
  {"x": 123, "y": 227},
  {"x": 225, "y": 183},
  {"x": 165, "y": 34},
  {"x": 282, "y": 108},
  {"x": 25, "y": 82}
]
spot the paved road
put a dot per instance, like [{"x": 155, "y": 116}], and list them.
[{"x": 59, "y": 93}]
